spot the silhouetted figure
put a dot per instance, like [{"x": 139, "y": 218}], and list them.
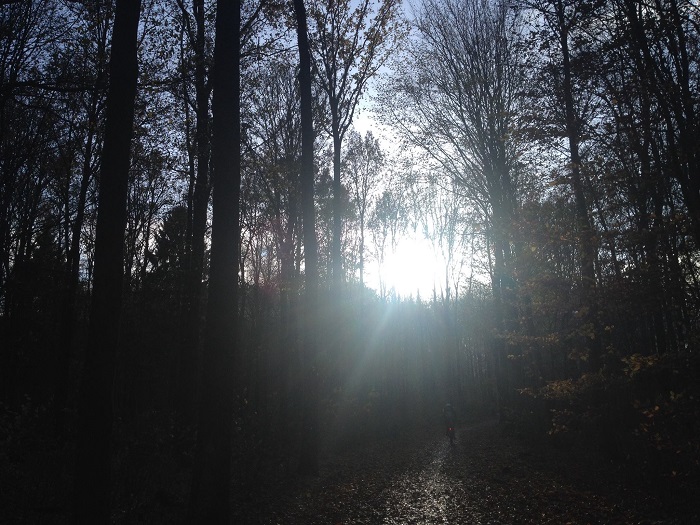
[{"x": 449, "y": 417}]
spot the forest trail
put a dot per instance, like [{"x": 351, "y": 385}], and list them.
[
  {"x": 487, "y": 477},
  {"x": 429, "y": 493}
]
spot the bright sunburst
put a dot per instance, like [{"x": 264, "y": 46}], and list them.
[{"x": 413, "y": 269}]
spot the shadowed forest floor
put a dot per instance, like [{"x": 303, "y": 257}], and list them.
[{"x": 487, "y": 477}]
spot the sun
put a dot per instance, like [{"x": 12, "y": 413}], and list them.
[{"x": 413, "y": 269}]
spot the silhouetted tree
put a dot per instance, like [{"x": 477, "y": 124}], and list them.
[
  {"x": 194, "y": 26},
  {"x": 209, "y": 500},
  {"x": 456, "y": 96},
  {"x": 308, "y": 463},
  {"x": 563, "y": 19},
  {"x": 93, "y": 454}
]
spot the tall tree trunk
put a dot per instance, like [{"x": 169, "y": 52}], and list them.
[
  {"x": 500, "y": 352},
  {"x": 209, "y": 498},
  {"x": 73, "y": 277},
  {"x": 93, "y": 472},
  {"x": 587, "y": 243},
  {"x": 288, "y": 334},
  {"x": 362, "y": 251},
  {"x": 308, "y": 461},
  {"x": 192, "y": 289},
  {"x": 336, "y": 253}
]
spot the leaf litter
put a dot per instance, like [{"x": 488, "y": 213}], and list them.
[{"x": 488, "y": 477}]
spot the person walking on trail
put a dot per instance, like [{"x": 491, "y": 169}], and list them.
[{"x": 449, "y": 416}]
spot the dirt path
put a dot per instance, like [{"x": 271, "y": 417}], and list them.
[
  {"x": 487, "y": 477},
  {"x": 429, "y": 493}
]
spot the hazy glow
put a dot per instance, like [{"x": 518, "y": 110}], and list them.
[{"x": 414, "y": 268}]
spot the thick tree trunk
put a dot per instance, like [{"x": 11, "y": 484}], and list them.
[
  {"x": 308, "y": 461},
  {"x": 93, "y": 472},
  {"x": 209, "y": 499}
]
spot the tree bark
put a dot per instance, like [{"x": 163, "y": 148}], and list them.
[
  {"x": 308, "y": 461},
  {"x": 209, "y": 498},
  {"x": 192, "y": 289},
  {"x": 93, "y": 472}
]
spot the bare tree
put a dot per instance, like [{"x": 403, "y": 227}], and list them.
[
  {"x": 349, "y": 44},
  {"x": 363, "y": 165},
  {"x": 454, "y": 95}
]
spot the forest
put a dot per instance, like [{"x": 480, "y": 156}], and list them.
[{"x": 208, "y": 215}]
